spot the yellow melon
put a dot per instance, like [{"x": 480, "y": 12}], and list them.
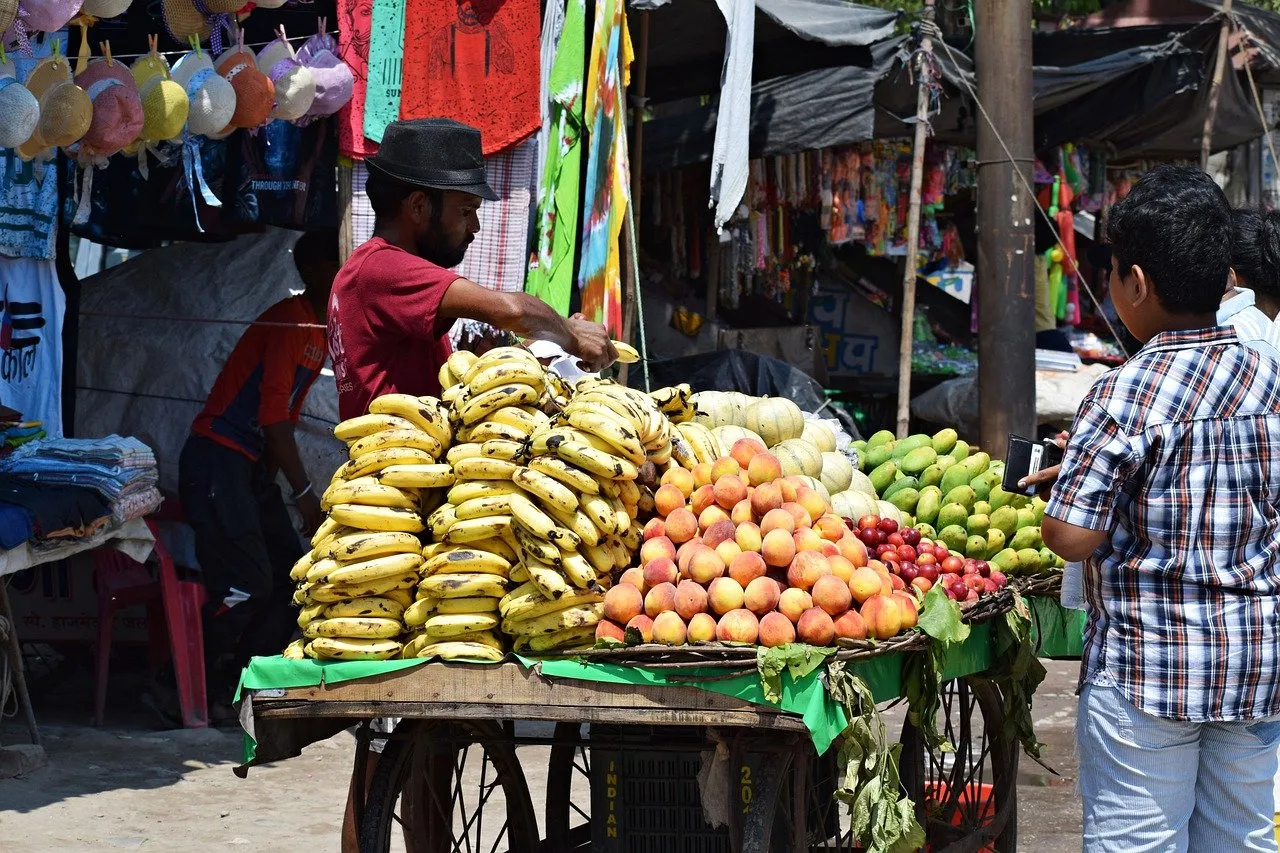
[
  {"x": 799, "y": 457},
  {"x": 821, "y": 435},
  {"x": 837, "y": 472},
  {"x": 714, "y": 408},
  {"x": 775, "y": 420},
  {"x": 730, "y": 433}
]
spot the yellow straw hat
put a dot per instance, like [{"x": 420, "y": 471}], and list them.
[
  {"x": 164, "y": 102},
  {"x": 65, "y": 109}
]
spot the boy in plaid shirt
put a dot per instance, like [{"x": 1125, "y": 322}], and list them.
[{"x": 1170, "y": 492}]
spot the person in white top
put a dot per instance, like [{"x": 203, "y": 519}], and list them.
[{"x": 1252, "y": 299}]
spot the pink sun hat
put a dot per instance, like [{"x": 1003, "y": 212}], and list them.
[
  {"x": 334, "y": 80},
  {"x": 117, "y": 107}
]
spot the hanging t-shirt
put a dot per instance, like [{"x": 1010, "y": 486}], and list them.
[
  {"x": 28, "y": 207},
  {"x": 354, "y": 28},
  {"x": 386, "y": 52},
  {"x": 32, "y": 307},
  {"x": 478, "y": 62},
  {"x": 384, "y": 335}
]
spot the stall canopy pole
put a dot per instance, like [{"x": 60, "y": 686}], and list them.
[
  {"x": 1006, "y": 244},
  {"x": 1215, "y": 88},
  {"x": 923, "y": 95},
  {"x": 631, "y": 284}
]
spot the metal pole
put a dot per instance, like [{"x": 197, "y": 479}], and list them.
[
  {"x": 639, "y": 83},
  {"x": 1215, "y": 88},
  {"x": 913, "y": 229},
  {"x": 1006, "y": 245}
]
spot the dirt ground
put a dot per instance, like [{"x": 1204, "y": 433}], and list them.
[{"x": 131, "y": 785}]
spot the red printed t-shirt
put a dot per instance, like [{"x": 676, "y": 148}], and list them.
[
  {"x": 384, "y": 336},
  {"x": 266, "y": 379}
]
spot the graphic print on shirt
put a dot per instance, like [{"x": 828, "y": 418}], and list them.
[
  {"x": 337, "y": 355},
  {"x": 20, "y": 327}
]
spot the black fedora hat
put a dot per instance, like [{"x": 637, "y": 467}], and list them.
[{"x": 439, "y": 153}]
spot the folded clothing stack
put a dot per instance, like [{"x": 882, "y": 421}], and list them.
[
  {"x": 122, "y": 470},
  {"x": 16, "y": 435}
]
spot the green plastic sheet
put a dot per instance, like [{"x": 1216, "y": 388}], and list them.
[{"x": 1056, "y": 631}]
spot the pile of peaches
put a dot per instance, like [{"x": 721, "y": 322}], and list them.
[{"x": 737, "y": 552}]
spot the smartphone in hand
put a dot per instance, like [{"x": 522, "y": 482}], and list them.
[{"x": 1026, "y": 457}]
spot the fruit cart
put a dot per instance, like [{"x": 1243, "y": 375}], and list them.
[
  {"x": 624, "y": 733},
  {"x": 1057, "y": 631}
]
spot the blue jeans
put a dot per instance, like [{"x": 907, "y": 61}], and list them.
[{"x": 1151, "y": 784}]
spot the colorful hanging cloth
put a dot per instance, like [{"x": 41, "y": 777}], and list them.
[
  {"x": 355, "y": 18},
  {"x": 386, "y": 56}
]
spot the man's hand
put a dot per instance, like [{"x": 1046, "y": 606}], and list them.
[
  {"x": 1046, "y": 477},
  {"x": 312, "y": 515},
  {"x": 591, "y": 344}
]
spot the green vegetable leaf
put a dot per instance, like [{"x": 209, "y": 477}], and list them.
[
  {"x": 796, "y": 658},
  {"x": 1017, "y": 672},
  {"x": 940, "y": 618}
]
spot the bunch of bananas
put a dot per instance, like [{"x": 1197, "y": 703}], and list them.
[
  {"x": 675, "y": 402},
  {"x": 693, "y": 443}
]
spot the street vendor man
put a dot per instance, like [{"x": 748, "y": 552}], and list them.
[{"x": 396, "y": 297}]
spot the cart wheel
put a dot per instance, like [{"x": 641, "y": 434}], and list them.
[
  {"x": 568, "y": 821},
  {"x": 434, "y": 780},
  {"x": 966, "y": 800}
]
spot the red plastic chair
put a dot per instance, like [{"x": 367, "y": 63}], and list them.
[{"x": 123, "y": 582}]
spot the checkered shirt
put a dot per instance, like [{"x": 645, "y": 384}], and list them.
[{"x": 1177, "y": 454}]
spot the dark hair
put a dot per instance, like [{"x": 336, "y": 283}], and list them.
[
  {"x": 386, "y": 194},
  {"x": 315, "y": 247},
  {"x": 1176, "y": 225},
  {"x": 1255, "y": 249}
]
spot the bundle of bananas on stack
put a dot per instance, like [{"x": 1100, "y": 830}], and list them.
[
  {"x": 675, "y": 402},
  {"x": 358, "y": 579},
  {"x": 693, "y": 444}
]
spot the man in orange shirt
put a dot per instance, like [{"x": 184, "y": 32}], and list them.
[{"x": 245, "y": 540}]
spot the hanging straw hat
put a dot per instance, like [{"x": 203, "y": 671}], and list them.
[
  {"x": 334, "y": 80},
  {"x": 102, "y": 9},
  {"x": 212, "y": 98},
  {"x": 117, "y": 108},
  {"x": 183, "y": 20},
  {"x": 65, "y": 110},
  {"x": 295, "y": 86},
  {"x": 8, "y": 14},
  {"x": 255, "y": 93},
  {"x": 48, "y": 16},
  {"x": 164, "y": 102},
  {"x": 19, "y": 109}
]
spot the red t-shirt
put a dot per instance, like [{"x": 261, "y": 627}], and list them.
[
  {"x": 384, "y": 335},
  {"x": 265, "y": 380}
]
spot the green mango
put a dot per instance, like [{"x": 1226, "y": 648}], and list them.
[
  {"x": 1029, "y": 560},
  {"x": 954, "y": 537},
  {"x": 952, "y": 514},
  {"x": 929, "y": 504},
  {"x": 908, "y": 520},
  {"x": 945, "y": 462},
  {"x": 1006, "y": 561},
  {"x": 999, "y": 497},
  {"x": 1038, "y": 507},
  {"x": 918, "y": 460},
  {"x": 882, "y": 476},
  {"x": 962, "y": 495},
  {"x": 859, "y": 446},
  {"x": 903, "y": 482},
  {"x": 960, "y": 451},
  {"x": 978, "y": 463},
  {"x": 995, "y": 541},
  {"x": 1005, "y": 519},
  {"x": 877, "y": 456},
  {"x": 912, "y": 442},
  {"x": 1020, "y": 501},
  {"x": 882, "y": 437},
  {"x": 981, "y": 508},
  {"x": 1058, "y": 562},
  {"x": 956, "y": 475},
  {"x": 944, "y": 440},
  {"x": 1027, "y": 537},
  {"x": 905, "y": 500},
  {"x": 980, "y": 487},
  {"x": 932, "y": 475},
  {"x": 1047, "y": 558},
  {"x": 926, "y": 529},
  {"x": 978, "y": 525},
  {"x": 1026, "y": 517},
  {"x": 975, "y": 548}
]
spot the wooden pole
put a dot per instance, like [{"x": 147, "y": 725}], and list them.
[
  {"x": 346, "y": 196},
  {"x": 907, "y": 339},
  {"x": 639, "y": 84},
  {"x": 1215, "y": 88}
]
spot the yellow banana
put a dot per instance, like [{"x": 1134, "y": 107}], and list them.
[
  {"x": 327, "y": 528},
  {"x": 455, "y": 650},
  {"x": 445, "y": 376},
  {"x": 480, "y": 604},
  {"x": 467, "y": 561},
  {"x": 309, "y": 614},
  {"x": 578, "y": 524},
  {"x": 459, "y": 362},
  {"x": 576, "y": 479},
  {"x": 632, "y": 536},
  {"x": 481, "y": 406},
  {"x": 535, "y": 521},
  {"x": 471, "y": 489},
  {"x": 570, "y": 639},
  {"x": 444, "y": 626},
  {"x": 426, "y": 416},
  {"x": 547, "y": 439},
  {"x": 600, "y": 558},
  {"x": 681, "y": 451},
  {"x": 368, "y": 627},
  {"x": 624, "y": 409},
  {"x": 503, "y": 449},
  {"x": 597, "y": 462},
  {"x": 488, "y": 430},
  {"x": 499, "y": 355},
  {"x": 519, "y": 573},
  {"x": 294, "y": 651},
  {"x": 621, "y": 556},
  {"x": 376, "y": 461},
  {"x": 629, "y": 492},
  {"x": 627, "y": 354},
  {"x": 367, "y": 491},
  {"x": 662, "y": 455},
  {"x": 507, "y": 373},
  {"x": 524, "y": 418},
  {"x": 601, "y": 513},
  {"x": 573, "y": 616},
  {"x": 609, "y": 488},
  {"x": 463, "y": 586},
  {"x": 455, "y": 395},
  {"x": 413, "y": 438},
  {"x": 576, "y": 568},
  {"x": 439, "y": 522},
  {"x": 418, "y": 612},
  {"x": 550, "y": 581},
  {"x": 321, "y": 569},
  {"x": 343, "y": 648},
  {"x": 403, "y": 597},
  {"x": 377, "y": 518},
  {"x": 300, "y": 568},
  {"x": 498, "y": 545},
  {"x": 364, "y": 546},
  {"x": 545, "y": 488},
  {"x": 437, "y": 476},
  {"x": 374, "y": 605},
  {"x": 483, "y": 507},
  {"x": 357, "y": 428},
  {"x": 538, "y": 549},
  {"x": 484, "y": 469},
  {"x": 372, "y": 571},
  {"x": 470, "y": 450},
  {"x": 302, "y": 594},
  {"x": 527, "y": 602},
  {"x": 470, "y": 530}
]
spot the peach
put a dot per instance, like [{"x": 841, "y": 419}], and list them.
[
  {"x": 660, "y": 571},
  {"x": 728, "y": 551},
  {"x": 813, "y": 502},
  {"x": 660, "y": 599},
  {"x": 790, "y": 487},
  {"x": 761, "y": 596},
  {"x": 634, "y": 577},
  {"x": 703, "y": 497},
  {"x": 681, "y": 479},
  {"x": 778, "y": 519},
  {"x": 832, "y": 595},
  {"x": 729, "y": 491},
  {"x": 749, "y": 537},
  {"x": 745, "y": 449},
  {"x": 778, "y": 548},
  {"x": 907, "y": 605},
  {"x": 705, "y": 566},
  {"x": 776, "y": 630},
  {"x": 685, "y": 555},
  {"x": 850, "y": 626},
  {"x": 922, "y": 583},
  {"x": 659, "y": 546},
  {"x": 691, "y": 599},
  {"x": 682, "y": 525},
  {"x": 808, "y": 540},
  {"x": 725, "y": 594},
  {"x": 669, "y": 629},
  {"x": 886, "y": 584},
  {"x": 898, "y": 583},
  {"x": 725, "y": 466},
  {"x": 840, "y": 567},
  {"x": 766, "y": 497},
  {"x": 655, "y": 528},
  {"x": 606, "y": 630},
  {"x": 702, "y": 628},
  {"x": 712, "y": 515},
  {"x": 721, "y": 531},
  {"x": 642, "y": 625},
  {"x": 865, "y": 583},
  {"x": 702, "y": 474},
  {"x": 763, "y": 468},
  {"x": 830, "y": 549},
  {"x": 882, "y": 615},
  {"x": 853, "y": 550},
  {"x": 816, "y": 627},
  {"x": 738, "y": 626},
  {"x": 746, "y": 567},
  {"x": 668, "y": 499},
  {"x": 742, "y": 512},
  {"x": 623, "y": 603},
  {"x": 793, "y": 603},
  {"x": 798, "y": 514},
  {"x": 806, "y": 568},
  {"x": 830, "y": 527}
]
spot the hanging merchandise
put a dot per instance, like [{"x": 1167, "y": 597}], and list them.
[
  {"x": 295, "y": 85},
  {"x": 733, "y": 118},
  {"x": 8, "y": 17},
  {"x": 608, "y": 174},
  {"x": 551, "y": 271},
  {"x": 386, "y": 64},
  {"x": 117, "y": 118},
  {"x": 211, "y": 98},
  {"x": 65, "y": 109},
  {"x": 44, "y": 16},
  {"x": 31, "y": 314},
  {"x": 184, "y": 21},
  {"x": 333, "y": 78},
  {"x": 283, "y": 176},
  {"x": 164, "y": 102},
  {"x": 255, "y": 93},
  {"x": 354, "y": 27},
  {"x": 28, "y": 207},
  {"x": 552, "y": 28},
  {"x": 104, "y": 9},
  {"x": 19, "y": 109},
  {"x": 497, "y": 258},
  {"x": 362, "y": 217},
  {"x": 475, "y": 61}
]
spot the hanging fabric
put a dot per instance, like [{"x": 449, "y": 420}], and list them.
[
  {"x": 552, "y": 29},
  {"x": 355, "y": 22},
  {"x": 497, "y": 259},
  {"x": 32, "y": 307},
  {"x": 733, "y": 118},
  {"x": 386, "y": 61}
]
